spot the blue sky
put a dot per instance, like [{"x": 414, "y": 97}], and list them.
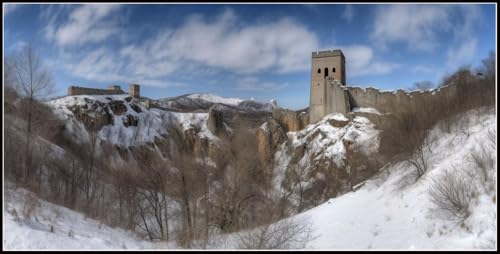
[{"x": 248, "y": 51}]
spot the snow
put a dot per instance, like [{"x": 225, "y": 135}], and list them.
[
  {"x": 339, "y": 117},
  {"x": 389, "y": 211},
  {"x": 152, "y": 123},
  {"x": 324, "y": 143},
  {"x": 274, "y": 103},
  {"x": 204, "y": 101},
  {"x": 23, "y": 233},
  {"x": 392, "y": 212},
  {"x": 325, "y": 140},
  {"x": 366, "y": 110},
  {"x": 215, "y": 98}
]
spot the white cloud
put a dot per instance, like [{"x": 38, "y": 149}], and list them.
[
  {"x": 463, "y": 54},
  {"x": 201, "y": 49},
  {"x": 463, "y": 47},
  {"x": 416, "y": 25},
  {"x": 283, "y": 45},
  {"x": 348, "y": 13},
  {"x": 360, "y": 62},
  {"x": 421, "y": 26},
  {"x": 254, "y": 84},
  {"x": 470, "y": 17},
  {"x": 200, "y": 46},
  {"x": 48, "y": 16},
  {"x": 86, "y": 24},
  {"x": 103, "y": 65}
]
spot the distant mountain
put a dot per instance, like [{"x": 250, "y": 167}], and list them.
[{"x": 203, "y": 101}]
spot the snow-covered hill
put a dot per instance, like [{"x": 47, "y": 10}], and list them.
[
  {"x": 124, "y": 120},
  {"x": 391, "y": 211},
  {"x": 204, "y": 101},
  {"x": 319, "y": 154},
  {"x": 214, "y": 98},
  {"x": 70, "y": 230}
]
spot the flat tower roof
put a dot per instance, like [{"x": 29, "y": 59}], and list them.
[{"x": 327, "y": 53}]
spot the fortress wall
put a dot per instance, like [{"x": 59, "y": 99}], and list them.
[
  {"x": 317, "y": 101},
  {"x": 395, "y": 102},
  {"x": 76, "y": 90},
  {"x": 338, "y": 99}
]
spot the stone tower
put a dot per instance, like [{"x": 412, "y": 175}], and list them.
[
  {"x": 325, "y": 65},
  {"x": 134, "y": 90}
]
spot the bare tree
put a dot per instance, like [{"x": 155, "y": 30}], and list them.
[
  {"x": 295, "y": 181},
  {"x": 242, "y": 182},
  {"x": 408, "y": 138},
  {"x": 33, "y": 81},
  {"x": 89, "y": 177}
]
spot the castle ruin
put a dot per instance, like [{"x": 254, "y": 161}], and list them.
[
  {"x": 134, "y": 90},
  {"x": 329, "y": 93}
]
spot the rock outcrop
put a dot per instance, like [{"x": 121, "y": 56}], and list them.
[
  {"x": 327, "y": 158},
  {"x": 269, "y": 136},
  {"x": 291, "y": 120},
  {"x": 130, "y": 120},
  {"x": 93, "y": 116},
  {"x": 118, "y": 107},
  {"x": 215, "y": 122}
]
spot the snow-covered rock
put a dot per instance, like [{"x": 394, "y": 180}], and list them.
[
  {"x": 392, "y": 211},
  {"x": 122, "y": 120},
  {"x": 366, "y": 110},
  {"x": 321, "y": 152},
  {"x": 204, "y": 101}
]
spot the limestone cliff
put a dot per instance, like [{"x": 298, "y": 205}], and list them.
[
  {"x": 291, "y": 120},
  {"x": 122, "y": 121},
  {"x": 322, "y": 160}
]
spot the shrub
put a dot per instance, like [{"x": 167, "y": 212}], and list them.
[
  {"x": 30, "y": 204},
  {"x": 284, "y": 234},
  {"x": 452, "y": 192},
  {"x": 483, "y": 163}
]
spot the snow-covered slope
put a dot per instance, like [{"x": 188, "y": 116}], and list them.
[
  {"x": 325, "y": 140},
  {"x": 215, "y": 98},
  {"x": 148, "y": 123},
  {"x": 320, "y": 149},
  {"x": 71, "y": 230},
  {"x": 389, "y": 211},
  {"x": 204, "y": 101},
  {"x": 393, "y": 212}
]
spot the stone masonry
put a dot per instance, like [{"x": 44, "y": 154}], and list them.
[
  {"x": 134, "y": 90},
  {"x": 325, "y": 65},
  {"x": 329, "y": 93}
]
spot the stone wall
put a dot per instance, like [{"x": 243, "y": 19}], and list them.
[
  {"x": 342, "y": 99},
  {"x": 395, "y": 102},
  {"x": 338, "y": 98},
  {"x": 76, "y": 90}
]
